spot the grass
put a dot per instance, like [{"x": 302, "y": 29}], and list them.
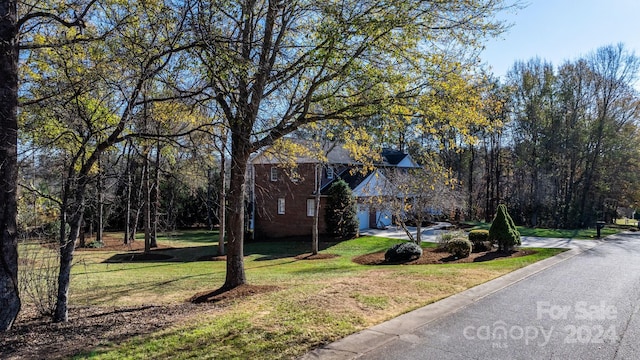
[
  {"x": 627, "y": 222},
  {"x": 578, "y": 234},
  {"x": 316, "y": 301}
]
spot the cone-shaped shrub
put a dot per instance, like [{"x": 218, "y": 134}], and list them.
[
  {"x": 503, "y": 230},
  {"x": 341, "y": 215}
]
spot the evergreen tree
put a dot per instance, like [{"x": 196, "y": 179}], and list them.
[
  {"x": 341, "y": 216},
  {"x": 503, "y": 230}
]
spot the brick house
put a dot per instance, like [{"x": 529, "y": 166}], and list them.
[{"x": 282, "y": 199}]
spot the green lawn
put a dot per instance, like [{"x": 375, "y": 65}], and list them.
[
  {"x": 316, "y": 301},
  {"x": 579, "y": 234}
]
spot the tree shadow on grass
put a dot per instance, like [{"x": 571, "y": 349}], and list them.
[
  {"x": 265, "y": 251},
  {"x": 139, "y": 257}
]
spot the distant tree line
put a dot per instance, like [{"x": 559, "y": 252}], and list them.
[{"x": 565, "y": 149}]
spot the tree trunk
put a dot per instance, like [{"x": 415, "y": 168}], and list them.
[
  {"x": 100, "y": 189},
  {"x": 147, "y": 203},
  {"x": 9, "y": 290},
  {"x": 496, "y": 148},
  {"x": 127, "y": 216},
  {"x": 470, "y": 184},
  {"x": 488, "y": 214},
  {"x": 235, "y": 245},
  {"x": 316, "y": 212},
  {"x": 222, "y": 206},
  {"x": 209, "y": 201},
  {"x": 155, "y": 194},
  {"x": 140, "y": 202},
  {"x": 67, "y": 247},
  {"x": 82, "y": 238}
]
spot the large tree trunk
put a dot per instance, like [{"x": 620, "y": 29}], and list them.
[
  {"x": 222, "y": 206},
  {"x": 9, "y": 291},
  {"x": 240, "y": 151}
]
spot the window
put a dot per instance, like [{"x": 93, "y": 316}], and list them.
[
  {"x": 280, "y": 206},
  {"x": 329, "y": 173},
  {"x": 274, "y": 174},
  {"x": 311, "y": 207}
]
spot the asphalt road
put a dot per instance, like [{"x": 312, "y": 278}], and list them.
[{"x": 586, "y": 307}]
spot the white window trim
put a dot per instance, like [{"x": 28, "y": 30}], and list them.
[
  {"x": 311, "y": 207},
  {"x": 274, "y": 174},
  {"x": 281, "y": 205}
]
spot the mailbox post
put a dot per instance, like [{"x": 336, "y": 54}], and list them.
[{"x": 599, "y": 226}]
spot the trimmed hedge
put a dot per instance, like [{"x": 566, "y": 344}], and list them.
[
  {"x": 480, "y": 240},
  {"x": 459, "y": 247}
]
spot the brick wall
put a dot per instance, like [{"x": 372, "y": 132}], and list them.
[{"x": 294, "y": 221}]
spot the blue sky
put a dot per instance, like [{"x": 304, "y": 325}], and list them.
[{"x": 560, "y": 30}]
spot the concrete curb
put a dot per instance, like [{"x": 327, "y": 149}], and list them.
[{"x": 358, "y": 344}]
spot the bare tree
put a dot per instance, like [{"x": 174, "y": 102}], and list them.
[{"x": 418, "y": 195}]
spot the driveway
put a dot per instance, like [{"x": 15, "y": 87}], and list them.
[
  {"x": 430, "y": 234},
  {"x": 582, "y": 304}
]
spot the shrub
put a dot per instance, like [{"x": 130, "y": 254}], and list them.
[
  {"x": 503, "y": 230},
  {"x": 341, "y": 215},
  {"x": 459, "y": 247},
  {"x": 38, "y": 276},
  {"x": 403, "y": 252},
  {"x": 95, "y": 245},
  {"x": 444, "y": 238},
  {"x": 480, "y": 240}
]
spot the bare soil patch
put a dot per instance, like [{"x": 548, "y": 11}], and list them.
[
  {"x": 212, "y": 258},
  {"x": 310, "y": 256},
  {"x": 223, "y": 294},
  {"x": 36, "y": 337},
  {"x": 89, "y": 327},
  {"x": 111, "y": 243},
  {"x": 435, "y": 256}
]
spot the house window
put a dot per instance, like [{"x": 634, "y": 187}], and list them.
[
  {"x": 280, "y": 206},
  {"x": 274, "y": 174},
  {"x": 311, "y": 207},
  {"x": 329, "y": 173}
]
